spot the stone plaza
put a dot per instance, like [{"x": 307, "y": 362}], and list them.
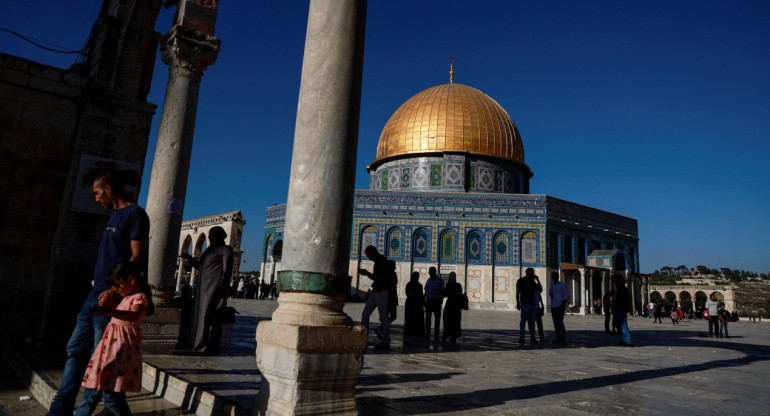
[{"x": 670, "y": 371}]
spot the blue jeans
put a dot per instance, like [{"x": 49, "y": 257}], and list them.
[
  {"x": 723, "y": 325},
  {"x": 88, "y": 331},
  {"x": 115, "y": 402},
  {"x": 528, "y": 316},
  {"x": 621, "y": 318}
]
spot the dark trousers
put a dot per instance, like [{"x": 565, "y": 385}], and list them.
[
  {"x": 558, "y": 323},
  {"x": 607, "y": 319},
  {"x": 539, "y": 321},
  {"x": 713, "y": 323},
  {"x": 432, "y": 307}
]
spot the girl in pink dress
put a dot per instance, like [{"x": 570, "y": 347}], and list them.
[{"x": 116, "y": 365}]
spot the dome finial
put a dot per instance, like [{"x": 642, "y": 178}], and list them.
[{"x": 451, "y": 69}]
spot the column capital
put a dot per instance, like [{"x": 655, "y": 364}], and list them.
[{"x": 188, "y": 52}]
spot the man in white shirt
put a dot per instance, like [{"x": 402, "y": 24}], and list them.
[
  {"x": 559, "y": 301},
  {"x": 434, "y": 296},
  {"x": 711, "y": 310}
]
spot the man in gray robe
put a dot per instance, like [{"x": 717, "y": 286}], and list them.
[{"x": 198, "y": 333}]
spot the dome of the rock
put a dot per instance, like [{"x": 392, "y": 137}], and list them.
[{"x": 450, "y": 118}]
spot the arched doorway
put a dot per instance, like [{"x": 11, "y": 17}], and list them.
[
  {"x": 277, "y": 253},
  {"x": 685, "y": 301},
  {"x": 656, "y": 298},
  {"x": 700, "y": 300},
  {"x": 670, "y": 298}
]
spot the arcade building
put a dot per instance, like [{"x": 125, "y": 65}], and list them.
[{"x": 449, "y": 188}]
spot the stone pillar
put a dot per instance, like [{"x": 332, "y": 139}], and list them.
[
  {"x": 604, "y": 288},
  {"x": 583, "y": 292},
  {"x": 591, "y": 290},
  {"x": 188, "y": 48},
  {"x": 310, "y": 354},
  {"x": 179, "y": 274},
  {"x": 631, "y": 287}
]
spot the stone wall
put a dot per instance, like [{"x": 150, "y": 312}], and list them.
[
  {"x": 38, "y": 118},
  {"x": 50, "y": 120}
]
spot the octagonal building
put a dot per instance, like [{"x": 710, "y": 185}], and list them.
[{"x": 449, "y": 188}]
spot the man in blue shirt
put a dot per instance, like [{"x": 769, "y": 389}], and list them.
[{"x": 125, "y": 237}]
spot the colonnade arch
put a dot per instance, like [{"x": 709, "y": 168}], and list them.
[
  {"x": 694, "y": 294},
  {"x": 197, "y": 231}
]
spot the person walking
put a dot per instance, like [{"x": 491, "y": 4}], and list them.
[
  {"x": 125, "y": 237},
  {"x": 711, "y": 314},
  {"x": 559, "y": 301},
  {"x": 198, "y": 332},
  {"x": 378, "y": 299},
  {"x": 434, "y": 296},
  {"x": 526, "y": 303},
  {"x": 621, "y": 306},
  {"x": 414, "y": 324},
  {"x": 455, "y": 299},
  {"x": 115, "y": 367}
]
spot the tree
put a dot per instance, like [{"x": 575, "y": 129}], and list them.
[
  {"x": 666, "y": 270},
  {"x": 681, "y": 269},
  {"x": 703, "y": 270}
]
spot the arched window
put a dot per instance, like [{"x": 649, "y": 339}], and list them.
[
  {"x": 421, "y": 245},
  {"x": 395, "y": 246},
  {"x": 448, "y": 246},
  {"x": 529, "y": 248},
  {"x": 474, "y": 247},
  {"x": 502, "y": 248},
  {"x": 267, "y": 247},
  {"x": 368, "y": 238}
]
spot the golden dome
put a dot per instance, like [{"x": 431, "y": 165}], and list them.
[{"x": 450, "y": 118}]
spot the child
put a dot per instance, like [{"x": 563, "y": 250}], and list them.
[
  {"x": 724, "y": 318},
  {"x": 116, "y": 365}
]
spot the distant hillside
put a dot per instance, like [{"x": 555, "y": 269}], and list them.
[{"x": 753, "y": 297}]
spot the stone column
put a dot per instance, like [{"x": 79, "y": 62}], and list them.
[
  {"x": 631, "y": 287},
  {"x": 604, "y": 289},
  {"x": 583, "y": 291},
  {"x": 188, "y": 48},
  {"x": 591, "y": 290},
  {"x": 179, "y": 274},
  {"x": 310, "y": 354}
]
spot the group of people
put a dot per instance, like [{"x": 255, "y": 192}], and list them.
[
  {"x": 104, "y": 351},
  {"x": 529, "y": 301},
  {"x": 421, "y": 306},
  {"x": 252, "y": 289}
]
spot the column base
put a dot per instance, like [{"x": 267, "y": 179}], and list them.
[
  {"x": 307, "y": 368},
  {"x": 160, "y": 331}
]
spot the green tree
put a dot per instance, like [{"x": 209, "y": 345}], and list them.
[{"x": 702, "y": 269}]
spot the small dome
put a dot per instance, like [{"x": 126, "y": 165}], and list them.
[{"x": 450, "y": 118}]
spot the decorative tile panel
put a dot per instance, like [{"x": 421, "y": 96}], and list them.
[
  {"x": 485, "y": 181},
  {"x": 421, "y": 177},
  {"x": 394, "y": 179},
  {"x": 385, "y": 180},
  {"x": 435, "y": 176},
  {"x": 498, "y": 181},
  {"x": 454, "y": 175},
  {"x": 406, "y": 178}
]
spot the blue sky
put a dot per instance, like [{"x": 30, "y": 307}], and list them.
[{"x": 656, "y": 110}]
